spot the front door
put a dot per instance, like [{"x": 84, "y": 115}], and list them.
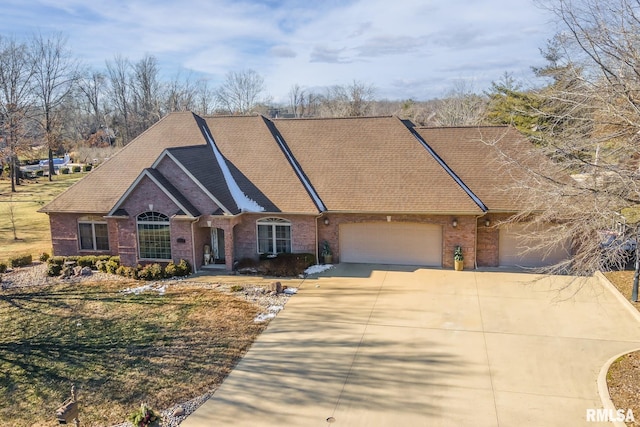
[{"x": 217, "y": 245}]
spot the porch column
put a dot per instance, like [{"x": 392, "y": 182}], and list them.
[{"x": 228, "y": 246}]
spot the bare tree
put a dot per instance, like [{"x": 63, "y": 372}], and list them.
[
  {"x": 16, "y": 77},
  {"x": 56, "y": 73},
  {"x": 296, "y": 100},
  {"x": 92, "y": 88},
  {"x": 241, "y": 91},
  {"x": 353, "y": 100},
  {"x": 120, "y": 94},
  {"x": 589, "y": 120},
  {"x": 461, "y": 106},
  {"x": 146, "y": 93}
]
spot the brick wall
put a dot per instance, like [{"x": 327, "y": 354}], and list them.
[
  {"x": 186, "y": 186},
  {"x": 64, "y": 234},
  {"x": 464, "y": 234},
  {"x": 489, "y": 240},
  {"x": 303, "y": 234}
]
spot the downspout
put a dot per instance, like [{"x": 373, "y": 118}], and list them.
[
  {"x": 193, "y": 246},
  {"x": 475, "y": 258},
  {"x": 317, "y": 250}
]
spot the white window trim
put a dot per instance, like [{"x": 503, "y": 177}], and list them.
[
  {"x": 273, "y": 221},
  {"x": 94, "y": 243}
]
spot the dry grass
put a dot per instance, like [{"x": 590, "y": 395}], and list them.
[
  {"x": 119, "y": 349},
  {"x": 623, "y": 378},
  {"x": 32, "y": 228}
]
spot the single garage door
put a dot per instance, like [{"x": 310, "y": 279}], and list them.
[
  {"x": 391, "y": 243},
  {"x": 512, "y": 249}
]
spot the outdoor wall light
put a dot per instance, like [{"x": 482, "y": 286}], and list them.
[
  {"x": 487, "y": 223},
  {"x": 209, "y": 224},
  {"x": 454, "y": 223},
  {"x": 151, "y": 207},
  {"x": 388, "y": 218},
  {"x": 326, "y": 221}
]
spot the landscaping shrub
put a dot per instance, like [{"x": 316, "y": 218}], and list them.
[
  {"x": 236, "y": 288},
  {"x": 21, "y": 261},
  {"x": 111, "y": 266},
  {"x": 126, "y": 271},
  {"x": 3, "y": 267},
  {"x": 54, "y": 270},
  {"x": 285, "y": 264},
  {"x": 87, "y": 168},
  {"x": 40, "y": 173},
  {"x": 88, "y": 261},
  {"x": 43, "y": 257},
  {"x": 56, "y": 260},
  {"x": 151, "y": 272},
  {"x": 76, "y": 169},
  {"x": 64, "y": 171}
]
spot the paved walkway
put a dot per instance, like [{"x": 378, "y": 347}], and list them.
[{"x": 392, "y": 346}]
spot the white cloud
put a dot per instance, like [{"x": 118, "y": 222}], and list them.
[{"x": 314, "y": 44}]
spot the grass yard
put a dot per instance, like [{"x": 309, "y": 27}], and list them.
[
  {"x": 32, "y": 228},
  {"x": 623, "y": 378},
  {"x": 119, "y": 349}
]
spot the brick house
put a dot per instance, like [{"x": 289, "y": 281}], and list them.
[{"x": 378, "y": 189}]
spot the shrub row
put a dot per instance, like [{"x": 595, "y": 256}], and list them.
[
  {"x": 280, "y": 265},
  {"x": 3, "y": 267},
  {"x": 111, "y": 264}
]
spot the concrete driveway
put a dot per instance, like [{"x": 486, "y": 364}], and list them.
[{"x": 366, "y": 345}]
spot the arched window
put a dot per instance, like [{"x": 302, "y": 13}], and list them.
[
  {"x": 93, "y": 234},
  {"x": 154, "y": 239},
  {"x": 274, "y": 236}
]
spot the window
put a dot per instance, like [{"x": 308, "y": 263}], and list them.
[
  {"x": 94, "y": 235},
  {"x": 274, "y": 236},
  {"x": 154, "y": 239}
]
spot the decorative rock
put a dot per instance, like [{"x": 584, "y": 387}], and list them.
[
  {"x": 86, "y": 271},
  {"x": 178, "y": 412},
  {"x": 275, "y": 287}
]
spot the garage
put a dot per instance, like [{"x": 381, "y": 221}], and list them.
[
  {"x": 391, "y": 243},
  {"x": 513, "y": 249}
]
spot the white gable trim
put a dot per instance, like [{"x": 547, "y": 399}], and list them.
[
  {"x": 127, "y": 193},
  {"x": 213, "y": 198}
]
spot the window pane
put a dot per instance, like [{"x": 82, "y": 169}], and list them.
[
  {"x": 86, "y": 236},
  {"x": 155, "y": 241},
  {"x": 265, "y": 239},
  {"x": 102, "y": 237}
]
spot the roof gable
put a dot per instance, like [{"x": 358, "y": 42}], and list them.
[{"x": 101, "y": 189}]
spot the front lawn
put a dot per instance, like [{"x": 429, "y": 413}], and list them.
[{"x": 120, "y": 349}]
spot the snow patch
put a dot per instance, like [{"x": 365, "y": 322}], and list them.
[
  {"x": 290, "y": 291},
  {"x": 244, "y": 203},
  {"x": 315, "y": 269},
  {"x": 160, "y": 289}
]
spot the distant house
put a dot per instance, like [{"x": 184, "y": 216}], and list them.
[{"x": 378, "y": 189}]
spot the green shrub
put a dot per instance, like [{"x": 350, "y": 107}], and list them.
[
  {"x": 87, "y": 168},
  {"x": 43, "y": 257},
  {"x": 56, "y": 260},
  {"x": 171, "y": 270},
  {"x": 126, "y": 271},
  {"x": 64, "y": 171},
  {"x": 111, "y": 266},
  {"x": 151, "y": 272},
  {"x": 88, "y": 261},
  {"x": 21, "y": 261},
  {"x": 3, "y": 267},
  {"x": 101, "y": 265},
  {"x": 40, "y": 173},
  {"x": 236, "y": 288},
  {"x": 54, "y": 270},
  {"x": 184, "y": 268},
  {"x": 76, "y": 169}
]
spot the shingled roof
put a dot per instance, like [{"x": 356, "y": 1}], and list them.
[
  {"x": 101, "y": 189},
  {"x": 370, "y": 164},
  {"x": 476, "y": 153}
]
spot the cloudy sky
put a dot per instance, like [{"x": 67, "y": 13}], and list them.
[{"x": 415, "y": 49}]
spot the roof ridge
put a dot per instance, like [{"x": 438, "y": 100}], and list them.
[
  {"x": 333, "y": 118},
  {"x": 463, "y": 127}
]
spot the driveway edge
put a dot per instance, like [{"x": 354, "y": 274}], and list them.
[{"x": 603, "y": 389}]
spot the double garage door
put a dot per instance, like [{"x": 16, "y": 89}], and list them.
[{"x": 391, "y": 243}]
